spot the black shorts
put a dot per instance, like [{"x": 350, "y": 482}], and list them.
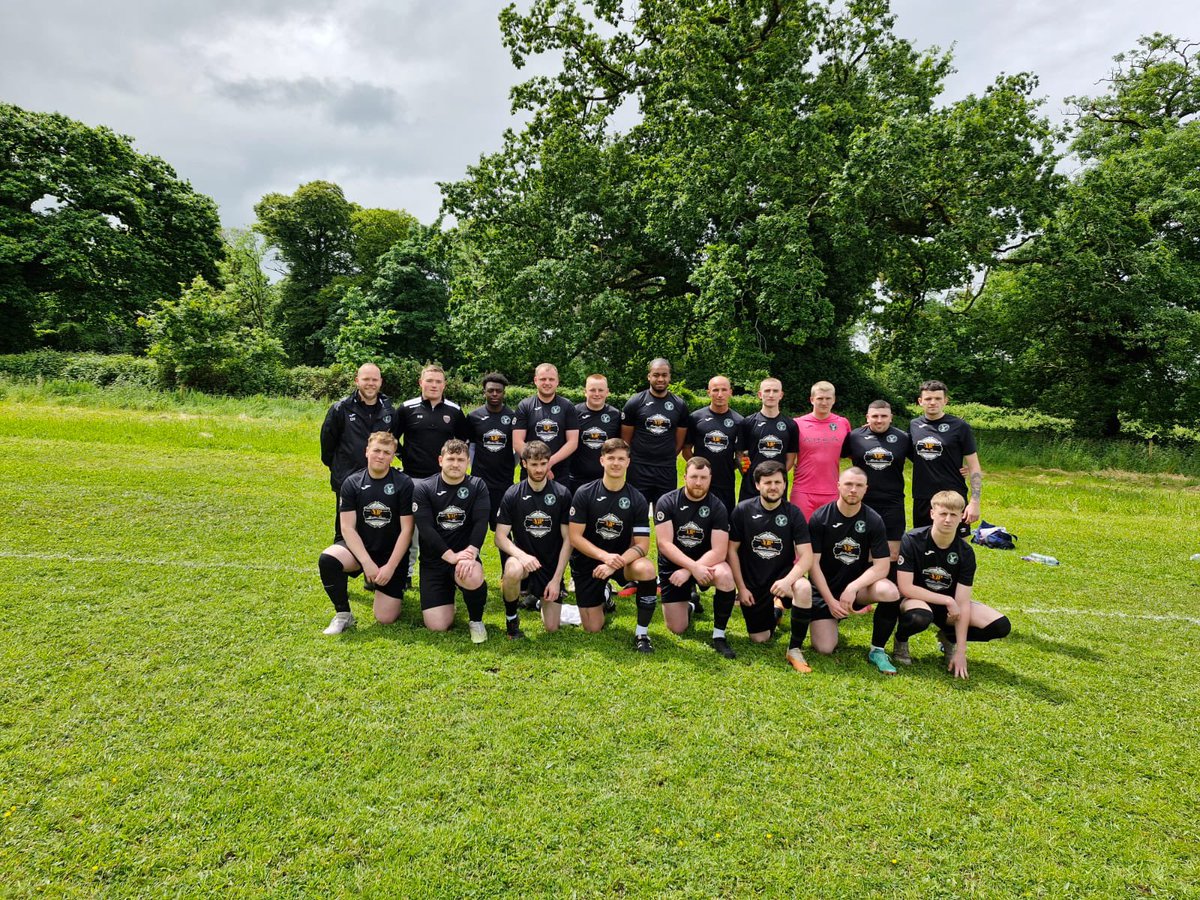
[
  {"x": 893, "y": 519},
  {"x": 653, "y": 483},
  {"x": 590, "y": 592},
  {"x": 436, "y": 582},
  {"x": 922, "y": 516},
  {"x": 399, "y": 582},
  {"x": 672, "y": 594},
  {"x": 761, "y": 616},
  {"x": 727, "y": 497},
  {"x": 535, "y": 582}
]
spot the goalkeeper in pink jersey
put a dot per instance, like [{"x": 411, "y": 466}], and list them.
[{"x": 821, "y": 436}]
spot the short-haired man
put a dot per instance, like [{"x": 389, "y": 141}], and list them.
[
  {"x": 937, "y": 572},
  {"x": 821, "y": 434},
  {"x": 492, "y": 457},
  {"x": 424, "y": 423},
  {"x": 654, "y": 424},
  {"x": 531, "y": 530},
  {"x": 850, "y": 568},
  {"x": 376, "y": 528},
  {"x": 880, "y": 449},
  {"x": 767, "y": 435},
  {"x": 599, "y": 421},
  {"x": 547, "y": 417},
  {"x": 692, "y": 530},
  {"x": 452, "y": 511},
  {"x": 941, "y": 445},
  {"x": 348, "y": 424},
  {"x": 610, "y": 536},
  {"x": 769, "y": 552},
  {"x": 713, "y": 434}
]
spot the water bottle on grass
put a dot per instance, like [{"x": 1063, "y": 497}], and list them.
[{"x": 1041, "y": 558}]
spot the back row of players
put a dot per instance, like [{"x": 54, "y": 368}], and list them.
[{"x": 823, "y": 554}]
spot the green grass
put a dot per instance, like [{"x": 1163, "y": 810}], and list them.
[{"x": 173, "y": 723}]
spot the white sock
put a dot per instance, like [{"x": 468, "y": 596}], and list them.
[
  {"x": 641, "y": 629},
  {"x": 718, "y": 633}
]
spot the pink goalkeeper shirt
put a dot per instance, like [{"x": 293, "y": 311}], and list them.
[{"x": 817, "y": 463}]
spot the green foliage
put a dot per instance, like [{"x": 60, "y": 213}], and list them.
[
  {"x": 360, "y": 330},
  {"x": 410, "y": 295},
  {"x": 375, "y": 232},
  {"x": 788, "y": 166},
  {"x": 91, "y": 233},
  {"x": 201, "y": 341},
  {"x": 243, "y": 279},
  {"x": 1097, "y": 315}
]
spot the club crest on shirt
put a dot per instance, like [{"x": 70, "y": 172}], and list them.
[
  {"x": 660, "y": 515},
  {"x": 728, "y": 423},
  {"x": 658, "y": 424},
  {"x": 891, "y": 439},
  {"x": 377, "y": 514},
  {"x": 689, "y": 535},
  {"x": 605, "y": 418},
  {"x": 833, "y": 426},
  {"x": 387, "y": 420},
  {"x": 951, "y": 559},
  {"x": 929, "y": 447},
  {"x": 669, "y": 406},
  {"x": 847, "y": 550},
  {"x": 538, "y": 523},
  {"x": 944, "y": 427},
  {"x": 716, "y": 441},
  {"x": 555, "y": 409},
  {"x": 550, "y": 499},
  {"x": 464, "y": 492},
  {"x": 389, "y": 489},
  {"x": 593, "y": 438},
  {"x": 609, "y": 527},
  {"x": 781, "y": 426},
  {"x": 769, "y": 445},
  {"x": 766, "y": 545},
  {"x": 860, "y": 526},
  {"x": 505, "y": 420},
  {"x": 781, "y": 520},
  {"x": 451, "y": 518},
  {"x": 623, "y": 503},
  {"x": 936, "y": 578},
  {"x": 878, "y": 458},
  {"x": 546, "y": 429},
  {"x": 703, "y": 512},
  {"x": 446, "y": 419},
  {"x": 494, "y": 440}
]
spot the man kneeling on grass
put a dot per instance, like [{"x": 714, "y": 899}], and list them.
[
  {"x": 610, "y": 537},
  {"x": 376, "y": 527},
  {"x": 850, "y": 568},
  {"x": 769, "y": 552},
  {"x": 936, "y": 571},
  {"x": 531, "y": 528},
  {"x": 452, "y": 510},
  {"x": 692, "y": 527}
]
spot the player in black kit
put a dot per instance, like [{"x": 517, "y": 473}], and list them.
[
  {"x": 549, "y": 418},
  {"x": 850, "y": 567},
  {"x": 881, "y": 450},
  {"x": 452, "y": 510},
  {"x": 767, "y": 435},
  {"x": 937, "y": 572},
  {"x": 610, "y": 536},
  {"x": 532, "y": 531},
  {"x": 426, "y": 422},
  {"x": 769, "y": 552},
  {"x": 492, "y": 457},
  {"x": 713, "y": 434},
  {"x": 654, "y": 424},
  {"x": 692, "y": 528},
  {"x": 598, "y": 422},
  {"x": 941, "y": 445},
  {"x": 347, "y": 426},
  {"x": 376, "y": 526}
]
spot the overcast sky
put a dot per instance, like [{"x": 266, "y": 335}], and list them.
[{"x": 387, "y": 97}]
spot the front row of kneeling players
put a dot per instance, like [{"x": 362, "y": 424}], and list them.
[{"x": 756, "y": 557}]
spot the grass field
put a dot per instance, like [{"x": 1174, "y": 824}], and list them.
[{"x": 173, "y": 722}]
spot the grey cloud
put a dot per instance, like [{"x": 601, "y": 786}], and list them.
[{"x": 344, "y": 102}]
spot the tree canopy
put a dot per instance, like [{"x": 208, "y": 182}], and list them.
[
  {"x": 784, "y": 166},
  {"x": 91, "y": 233}
]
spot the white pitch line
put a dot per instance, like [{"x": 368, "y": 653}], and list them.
[
  {"x": 1114, "y": 614},
  {"x": 143, "y": 561}
]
